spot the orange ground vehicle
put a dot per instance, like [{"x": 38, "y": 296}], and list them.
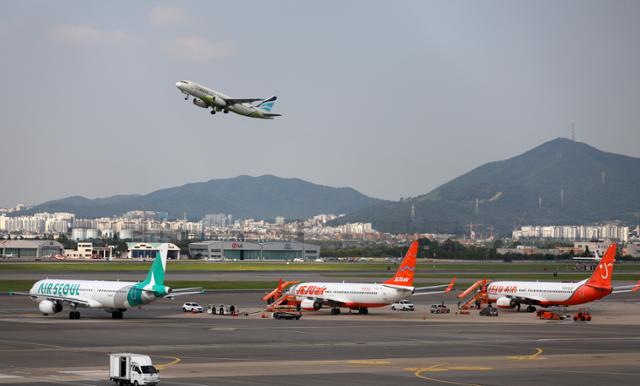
[
  {"x": 552, "y": 314},
  {"x": 583, "y": 315}
]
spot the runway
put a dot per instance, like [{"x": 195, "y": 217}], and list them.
[{"x": 381, "y": 348}]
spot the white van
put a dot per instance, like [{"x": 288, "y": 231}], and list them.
[{"x": 132, "y": 369}]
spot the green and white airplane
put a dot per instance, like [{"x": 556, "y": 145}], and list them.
[
  {"x": 112, "y": 296},
  {"x": 205, "y": 97}
]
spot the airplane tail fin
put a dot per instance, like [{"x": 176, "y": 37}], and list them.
[
  {"x": 601, "y": 277},
  {"x": 267, "y": 104},
  {"x": 404, "y": 274},
  {"x": 155, "y": 277}
]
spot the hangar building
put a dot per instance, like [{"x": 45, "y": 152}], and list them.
[
  {"x": 242, "y": 250},
  {"x": 150, "y": 250},
  {"x": 30, "y": 248}
]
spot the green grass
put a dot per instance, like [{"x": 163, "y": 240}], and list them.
[
  {"x": 548, "y": 276},
  {"x": 188, "y": 266}
]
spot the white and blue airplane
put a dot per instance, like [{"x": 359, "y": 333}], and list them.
[
  {"x": 207, "y": 98},
  {"x": 112, "y": 296}
]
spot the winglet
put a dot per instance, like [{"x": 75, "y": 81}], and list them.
[
  {"x": 450, "y": 286},
  {"x": 404, "y": 274}
]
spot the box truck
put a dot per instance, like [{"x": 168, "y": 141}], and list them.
[{"x": 132, "y": 369}]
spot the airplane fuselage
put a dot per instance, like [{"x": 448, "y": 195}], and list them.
[
  {"x": 545, "y": 293},
  {"x": 352, "y": 295},
  {"x": 109, "y": 295}
]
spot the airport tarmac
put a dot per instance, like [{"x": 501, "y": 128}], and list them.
[{"x": 381, "y": 348}]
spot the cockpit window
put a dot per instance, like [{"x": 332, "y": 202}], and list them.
[{"x": 184, "y": 81}]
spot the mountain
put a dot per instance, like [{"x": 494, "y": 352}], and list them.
[
  {"x": 576, "y": 183},
  {"x": 261, "y": 197}
]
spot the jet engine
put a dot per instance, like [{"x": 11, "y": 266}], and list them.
[
  {"x": 505, "y": 302},
  {"x": 219, "y": 102},
  {"x": 200, "y": 103},
  {"x": 48, "y": 307},
  {"x": 310, "y": 304}
]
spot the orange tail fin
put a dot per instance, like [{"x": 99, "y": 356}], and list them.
[
  {"x": 404, "y": 274},
  {"x": 601, "y": 277}
]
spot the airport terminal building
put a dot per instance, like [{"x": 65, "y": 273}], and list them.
[{"x": 242, "y": 250}]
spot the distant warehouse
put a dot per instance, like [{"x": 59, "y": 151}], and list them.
[
  {"x": 240, "y": 250},
  {"x": 30, "y": 249}
]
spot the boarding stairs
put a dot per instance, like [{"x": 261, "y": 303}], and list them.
[{"x": 477, "y": 291}]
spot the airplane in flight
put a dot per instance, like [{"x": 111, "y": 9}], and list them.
[
  {"x": 512, "y": 294},
  {"x": 207, "y": 98},
  {"x": 112, "y": 296},
  {"x": 362, "y": 296}
]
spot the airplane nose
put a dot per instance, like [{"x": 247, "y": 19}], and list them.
[{"x": 178, "y": 85}]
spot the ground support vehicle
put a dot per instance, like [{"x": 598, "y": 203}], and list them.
[
  {"x": 403, "y": 305},
  {"x": 132, "y": 369},
  {"x": 439, "y": 309}
]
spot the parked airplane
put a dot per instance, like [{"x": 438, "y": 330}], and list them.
[
  {"x": 112, "y": 296},
  {"x": 595, "y": 257},
  {"x": 511, "y": 294},
  {"x": 205, "y": 97},
  {"x": 362, "y": 296}
]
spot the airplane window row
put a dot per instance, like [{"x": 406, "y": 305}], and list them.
[
  {"x": 353, "y": 292},
  {"x": 548, "y": 291}
]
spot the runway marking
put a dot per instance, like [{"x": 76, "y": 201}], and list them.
[
  {"x": 594, "y": 372},
  {"x": 5, "y": 376},
  {"x": 625, "y": 338},
  {"x": 532, "y": 357},
  {"x": 368, "y": 362},
  {"x": 438, "y": 367},
  {"x": 163, "y": 366},
  {"x": 51, "y": 346}
]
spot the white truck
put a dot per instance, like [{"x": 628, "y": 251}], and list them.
[{"x": 132, "y": 369}]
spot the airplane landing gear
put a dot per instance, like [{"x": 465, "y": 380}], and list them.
[
  {"x": 213, "y": 111},
  {"x": 335, "y": 311},
  {"x": 117, "y": 315},
  {"x": 74, "y": 315},
  {"x": 363, "y": 311},
  {"x": 226, "y": 111},
  {"x": 186, "y": 98},
  {"x": 531, "y": 309}
]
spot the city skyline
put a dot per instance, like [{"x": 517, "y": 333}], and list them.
[{"x": 90, "y": 106}]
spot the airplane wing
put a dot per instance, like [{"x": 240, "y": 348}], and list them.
[
  {"x": 626, "y": 288},
  {"x": 533, "y": 300},
  {"x": 64, "y": 299},
  {"x": 329, "y": 301},
  {"x": 233, "y": 101},
  {"x": 185, "y": 291},
  {"x": 448, "y": 288},
  {"x": 11, "y": 293}
]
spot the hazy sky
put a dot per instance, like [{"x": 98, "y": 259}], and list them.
[{"x": 391, "y": 98}]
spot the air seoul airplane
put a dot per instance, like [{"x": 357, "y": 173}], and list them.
[
  {"x": 112, "y": 296},
  {"x": 362, "y": 296},
  {"x": 510, "y": 294},
  {"x": 205, "y": 97}
]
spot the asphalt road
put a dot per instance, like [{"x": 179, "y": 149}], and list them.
[{"x": 381, "y": 348}]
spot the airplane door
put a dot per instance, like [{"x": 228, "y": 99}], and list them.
[{"x": 385, "y": 295}]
